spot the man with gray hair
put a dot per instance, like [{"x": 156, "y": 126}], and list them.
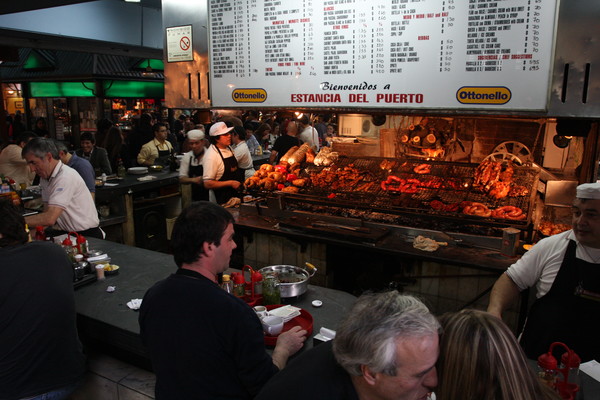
[
  {"x": 385, "y": 348},
  {"x": 67, "y": 201}
]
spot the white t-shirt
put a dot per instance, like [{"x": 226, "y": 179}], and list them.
[
  {"x": 66, "y": 189},
  {"x": 188, "y": 160},
  {"x": 311, "y": 136},
  {"x": 213, "y": 167},
  {"x": 244, "y": 159},
  {"x": 539, "y": 266}
]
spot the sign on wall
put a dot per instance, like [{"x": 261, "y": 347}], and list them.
[
  {"x": 457, "y": 54},
  {"x": 179, "y": 43}
]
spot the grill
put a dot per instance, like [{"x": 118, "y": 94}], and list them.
[{"x": 352, "y": 188}]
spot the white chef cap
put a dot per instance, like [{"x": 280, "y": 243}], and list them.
[
  {"x": 589, "y": 191},
  {"x": 195, "y": 134}
]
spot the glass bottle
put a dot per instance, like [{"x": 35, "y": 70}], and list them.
[
  {"x": 271, "y": 290},
  {"x": 227, "y": 285},
  {"x": 121, "y": 172},
  {"x": 40, "y": 233},
  {"x": 239, "y": 286}
]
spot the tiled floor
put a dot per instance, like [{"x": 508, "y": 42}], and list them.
[{"x": 110, "y": 379}]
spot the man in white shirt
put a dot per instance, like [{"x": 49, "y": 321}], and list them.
[
  {"x": 565, "y": 269},
  {"x": 191, "y": 168},
  {"x": 222, "y": 175},
  {"x": 67, "y": 201},
  {"x": 308, "y": 134}
]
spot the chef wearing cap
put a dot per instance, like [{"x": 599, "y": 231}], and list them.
[
  {"x": 565, "y": 269},
  {"x": 222, "y": 176},
  {"x": 191, "y": 170}
]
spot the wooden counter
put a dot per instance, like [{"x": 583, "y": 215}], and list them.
[{"x": 104, "y": 317}]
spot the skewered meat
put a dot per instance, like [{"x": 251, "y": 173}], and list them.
[{"x": 495, "y": 179}]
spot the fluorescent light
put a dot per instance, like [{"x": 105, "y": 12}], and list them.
[{"x": 133, "y": 1}]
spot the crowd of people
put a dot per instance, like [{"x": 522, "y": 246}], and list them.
[{"x": 206, "y": 343}]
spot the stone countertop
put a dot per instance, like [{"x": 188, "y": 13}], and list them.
[{"x": 106, "y": 318}]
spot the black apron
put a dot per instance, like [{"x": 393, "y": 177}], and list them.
[
  {"x": 198, "y": 191},
  {"x": 231, "y": 173},
  {"x": 163, "y": 158},
  {"x": 561, "y": 315}
]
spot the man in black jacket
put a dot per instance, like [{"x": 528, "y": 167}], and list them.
[{"x": 205, "y": 343}]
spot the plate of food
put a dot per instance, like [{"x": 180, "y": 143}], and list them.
[
  {"x": 111, "y": 269},
  {"x": 137, "y": 170},
  {"x": 304, "y": 320}
]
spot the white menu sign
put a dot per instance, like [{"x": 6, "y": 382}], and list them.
[{"x": 471, "y": 54}]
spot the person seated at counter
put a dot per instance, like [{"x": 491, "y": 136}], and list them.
[
  {"x": 12, "y": 163},
  {"x": 82, "y": 166},
  {"x": 97, "y": 156},
  {"x": 157, "y": 151},
  {"x": 204, "y": 342},
  {"x": 40, "y": 356},
  {"x": 480, "y": 358},
  {"x": 67, "y": 200},
  {"x": 285, "y": 142},
  {"x": 385, "y": 348},
  {"x": 241, "y": 151},
  {"x": 565, "y": 269},
  {"x": 222, "y": 175},
  {"x": 191, "y": 169}
]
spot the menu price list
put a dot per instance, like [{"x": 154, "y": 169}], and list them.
[{"x": 418, "y": 47}]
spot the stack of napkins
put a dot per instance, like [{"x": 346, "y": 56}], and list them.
[{"x": 285, "y": 312}]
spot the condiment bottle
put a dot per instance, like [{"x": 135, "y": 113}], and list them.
[
  {"x": 40, "y": 233},
  {"x": 121, "y": 172},
  {"x": 227, "y": 285},
  {"x": 570, "y": 363},
  {"x": 547, "y": 369},
  {"x": 69, "y": 249},
  {"x": 239, "y": 286},
  {"x": 82, "y": 245},
  {"x": 257, "y": 282}
]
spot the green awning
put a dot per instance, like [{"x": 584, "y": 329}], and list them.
[
  {"x": 61, "y": 89},
  {"x": 112, "y": 89},
  {"x": 138, "y": 89}
]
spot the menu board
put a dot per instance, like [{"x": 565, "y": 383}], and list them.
[{"x": 430, "y": 54}]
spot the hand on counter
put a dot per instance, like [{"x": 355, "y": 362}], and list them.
[{"x": 288, "y": 343}]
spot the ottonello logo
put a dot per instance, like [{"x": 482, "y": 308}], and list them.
[
  {"x": 249, "y": 95},
  {"x": 483, "y": 95}
]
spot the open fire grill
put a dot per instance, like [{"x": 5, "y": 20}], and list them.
[{"x": 353, "y": 188}]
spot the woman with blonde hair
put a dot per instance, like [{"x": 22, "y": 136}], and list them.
[{"x": 480, "y": 359}]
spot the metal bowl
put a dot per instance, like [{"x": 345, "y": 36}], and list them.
[{"x": 293, "y": 280}]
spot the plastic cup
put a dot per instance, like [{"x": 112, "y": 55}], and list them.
[{"x": 100, "y": 271}]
